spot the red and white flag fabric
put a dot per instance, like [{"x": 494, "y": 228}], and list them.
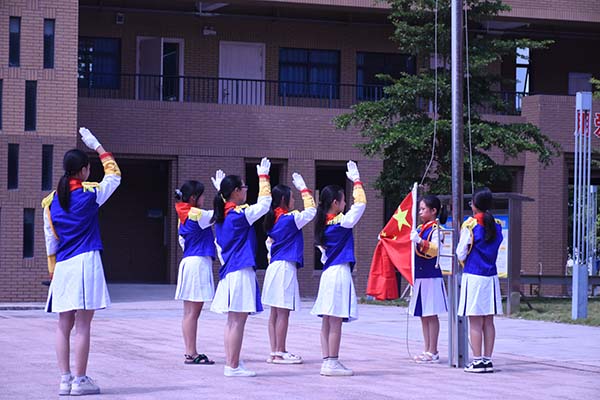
[{"x": 394, "y": 251}]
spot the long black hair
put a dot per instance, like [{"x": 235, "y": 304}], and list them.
[
  {"x": 228, "y": 185},
  {"x": 484, "y": 201},
  {"x": 328, "y": 194},
  {"x": 278, "y": 193},
  {"x": 432, "y": 202},
  {"x": 73, "y": 162},
  {"x": 188, "y": 190}
]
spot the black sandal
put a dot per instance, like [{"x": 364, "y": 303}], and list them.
[{"x": 200, "y": 359}]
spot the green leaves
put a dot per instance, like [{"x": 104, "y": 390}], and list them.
[{"x": 399, "y": 127}]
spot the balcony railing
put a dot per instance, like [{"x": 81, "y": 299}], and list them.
[
  {"x": 240, "y": 91},
  {"x": 225, "y": 90}
]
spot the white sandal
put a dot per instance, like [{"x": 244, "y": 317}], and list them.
[{"x": 286, "y": 358}]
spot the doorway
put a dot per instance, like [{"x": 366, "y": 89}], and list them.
[
  {"x": 241, "y": 73},
  {"x": 159, "y": 69},
  {"x": 134, "y": 225}
]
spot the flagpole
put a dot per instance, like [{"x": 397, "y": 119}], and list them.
[{"x": 457, "y": 327}]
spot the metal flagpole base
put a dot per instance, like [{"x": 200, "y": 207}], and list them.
[{"x": 580, "y": 285}]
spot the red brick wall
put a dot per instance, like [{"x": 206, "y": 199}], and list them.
[
  {"x": 20, "y": 278},
  {"x": 206, "y": 137}
]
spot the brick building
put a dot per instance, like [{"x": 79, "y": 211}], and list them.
[{"x": 176, "y": 89}]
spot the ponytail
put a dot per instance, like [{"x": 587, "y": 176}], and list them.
[
  {"x": 328, "y": 195},
  {"x": 188, "y": 190},
  {"x": 278, "y": 193},
  {"x": 73, "y": 162},
  {"x": 228, "y": 185},
  {"x": 483, "y": 201}
]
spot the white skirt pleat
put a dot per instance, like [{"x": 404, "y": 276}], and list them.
[
  {"x": 78, "y": 284},
  {"x": 480, "y": 295},
  {"x": 280, "y": 287},
  {"x": 337, "y": 296},
  {"x": 428, "y": 298},
  {"x": 237, "y": 292},
  {"x": 195, "y": 279}
]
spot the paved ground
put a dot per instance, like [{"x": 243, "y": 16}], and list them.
[{"x": 137, "y": 353}]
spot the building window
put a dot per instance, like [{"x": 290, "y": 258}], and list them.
[
  {"x": 369, "y": 65},
  {"x": 30, "y": 105},
  {"x": 309, "y": 73},
  {"x": 13, "y": 166},
  {"x": 99, "y": 63},
  {"x": 522, "y": 76},
  {"x": 49, "y": 43},
  {"x": 28, "y": 230},
  {"x": 14, "y": 42},
  {"x": 47, "y": 158}
]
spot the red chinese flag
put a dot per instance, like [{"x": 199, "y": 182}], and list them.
[{"x": 394, "y": 251}]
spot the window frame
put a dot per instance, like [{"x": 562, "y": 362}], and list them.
[
  {"x": 49, "y": 43},
  {"x": 12, "y": 169},
  {"x": 28, "y": 232},
  {"x": 47, "y": 166},
  {"x": 30, "y": 115},
  {"x": 14, "y": 42},
  {"x": 86, "y": 60},
  {"x": 307, "y": 85}
]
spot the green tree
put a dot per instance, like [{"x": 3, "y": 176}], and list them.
[{"x": 400, "y": 129}]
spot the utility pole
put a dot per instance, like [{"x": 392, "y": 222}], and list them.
[{"x": 457, "y": 326}]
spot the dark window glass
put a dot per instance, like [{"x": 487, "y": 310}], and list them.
[
  {"x": 309, "y": 73},
  {"x": 99, "y": 63},
  {"x": 13, "y": 166},
  {"x": 14, "y": 42},
  {"x": 30, "y": 105},
  {"x": 47, "y": 158},
  {"x": 369, "y": 65},
  {"x": 28, "y": 230},
  {"x": 48, "y": 43}
]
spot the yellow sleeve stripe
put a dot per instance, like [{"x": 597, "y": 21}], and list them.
[{"x": 358, "y": 193}]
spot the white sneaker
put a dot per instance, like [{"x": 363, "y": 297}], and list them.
[
  {"x": 65, "y": 387},
  {"x": 335, "y": 368},
  {"x": 240, "y": 371},
  {"x": 84, "y": 386}
]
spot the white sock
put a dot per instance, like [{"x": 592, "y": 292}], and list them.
[{"x": 66, "y": 377}]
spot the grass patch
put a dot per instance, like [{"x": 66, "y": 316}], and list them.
[
  {"x": 557, "y": 310},
  {"x": 395, "y": 303}
]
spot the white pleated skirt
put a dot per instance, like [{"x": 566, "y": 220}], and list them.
[
  {"x": 337, "y": 296},
  {"x": 480, "y": 295},
  {"x": 78, "y": 284},
  {"x": 237, "y": 292},
  {"x": 195, "y": 279},
  {"x": 280, "y": 287},
  {"x": 428, "y": 297}
]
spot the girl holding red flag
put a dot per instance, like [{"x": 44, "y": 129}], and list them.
[
  {"x": 195, "y": 278},
  {"x": 429, "y": 297},
  {"x": 480, "y": 300},
  {"x": 336, "y": 301},
  {"x": 286, "y": 251}
]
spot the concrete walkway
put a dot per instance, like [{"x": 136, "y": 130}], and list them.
[{"x": 137, "y": 353}]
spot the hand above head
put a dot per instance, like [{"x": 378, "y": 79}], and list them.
[
  {"x": 352, "y": 172},
  {"x": 89, "y": 139},
  {"x": 219, "y": 176},
  {"x": 264, "y": 167},
  {"x": 298, "y": 181},
  {"x": 414, "y": 236}
]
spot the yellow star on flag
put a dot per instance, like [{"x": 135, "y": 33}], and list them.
[{"x": 400, "y": 216}]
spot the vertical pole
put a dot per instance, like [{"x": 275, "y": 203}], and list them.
[
  {"x": 457, "y": 329},
  {"x": 581, "y": 207}
]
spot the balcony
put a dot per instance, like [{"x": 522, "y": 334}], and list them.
[{"x": 246, "y": 91}]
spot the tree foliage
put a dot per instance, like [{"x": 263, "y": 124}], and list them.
[{"x": 399, "y": 127}]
